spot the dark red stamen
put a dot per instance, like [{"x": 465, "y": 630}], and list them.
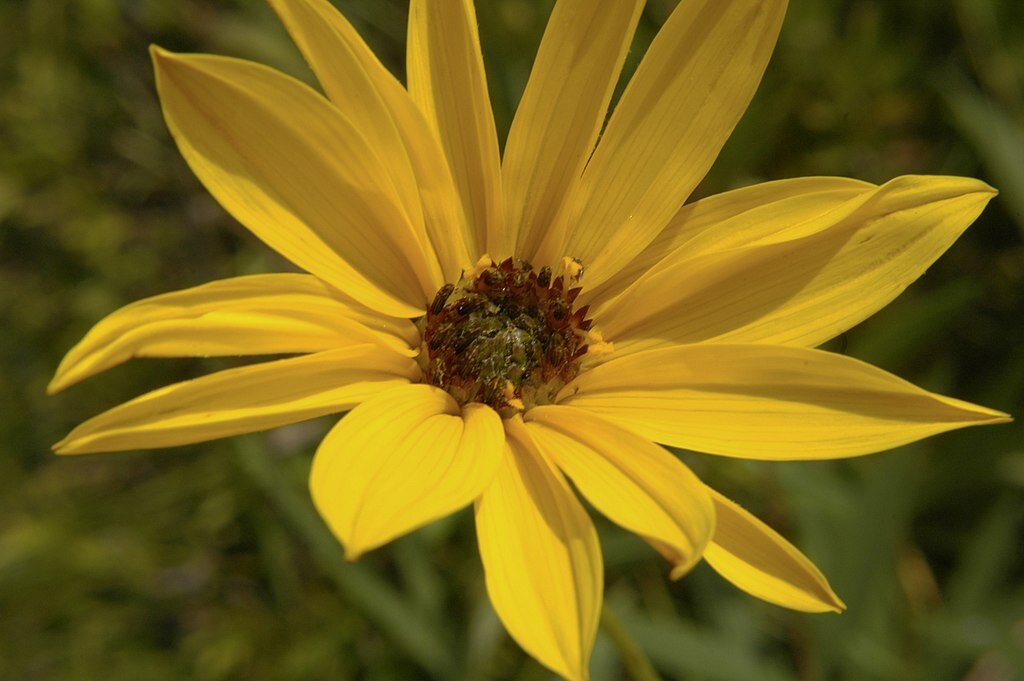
[{"x": 505, "y": 336}]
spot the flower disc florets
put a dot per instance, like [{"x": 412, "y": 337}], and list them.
[{"x": 504, "y": 335}]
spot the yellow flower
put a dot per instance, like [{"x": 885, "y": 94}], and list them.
[{"x": 498, "y": 325}]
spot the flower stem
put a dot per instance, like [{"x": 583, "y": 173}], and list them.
[{"x": 636, "y": 662}]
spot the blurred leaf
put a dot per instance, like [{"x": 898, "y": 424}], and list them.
[
  {"x": 998, "y": 139},
  {"x": 684, "y": 650},
  {"x": 421, "y": 638}
]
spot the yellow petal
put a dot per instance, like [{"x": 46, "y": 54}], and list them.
[
  {"x": 243, "y": 400},
  {"x": 340, "y": 71},
  {"x": 377, "y": 104},
  {"x": 755, "y": 558},
  {"x": 259, "y": 314},
  {"x": 741, "y": 217},
  {"x": 542, "y": 562},
  {"x": 766, "y": 402},
  {"x": 400, "y": 460},
  {"x": 447, "y": 81},
  {"x": 792, "y": 282},
  {"x": 689, "y": 91},
  {"x": 635, "y": 483},
  {"x": 562, "y": 111},
  {"x": 291, "y": 168}
]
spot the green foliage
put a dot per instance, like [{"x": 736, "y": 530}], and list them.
[{"x": 209, "y": 563}]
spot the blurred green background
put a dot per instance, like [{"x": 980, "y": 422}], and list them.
[{"x": 208, "y": 563}]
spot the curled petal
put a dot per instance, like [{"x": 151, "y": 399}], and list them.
[
  {"x": 562, "y": 111},
  {"x": 766, "y": 402},
  {"x": 634, "y": 482},
  {"x": 376, "y": 103},
  {"x": 799, "y": 280},
  {"x": 296, "y": 172},
  {"x": 758, "y": 560},
  {"x": 243, "y": 400},
  {"x": 447, "y": 81},
  {"x": 766, "y": 211},
  {"x": 681, "y": 105},
  {"x": 400, "y": 460},
  {"x": 253, "y": 315},
  {"x": 542, "y": 562}
]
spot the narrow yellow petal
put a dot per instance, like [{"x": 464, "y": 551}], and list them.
[
  {"x": 400, "y": 460},
  {"x": 243, "y": 400},
  {"x": 339, "y": 70},
  {"x": 377, "y": 104},
  {"x": 542, "y": 562},
  {"x": 562, "y": 111},
  {"x": 252, "y": 315},
  {"x": 766, "y": 402},
  {"x": 758, "y": 560},
  {"x": 635, "y": 483},
  {"x": 689, "y": 91},
  {"x": 295, "y": 171},
  {"x": 741, "y": 217},
  {"x": 800, "y": 278},
  {"x": 447, "y": 81}
]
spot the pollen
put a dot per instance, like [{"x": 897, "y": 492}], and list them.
[{"x": 505, "y": 335}]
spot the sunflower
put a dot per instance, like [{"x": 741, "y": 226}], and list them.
[{"x": 500, "y": 325}]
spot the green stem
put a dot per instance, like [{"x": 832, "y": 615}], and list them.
[
  {"x": 360, "y": 587},
  {"x": 637, "y": 665}
]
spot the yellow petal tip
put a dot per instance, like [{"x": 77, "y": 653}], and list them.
[
  {"x": 72, "y": 446},
  {"x": 983, "y": 190},
  {"x": 163, "y": 58},
  {"x": 679, "y": 571},
  {"x": 972, "y": 185},
  {"x": 682, "y": 565},
  {"x": 353, "y": 554},
  {"x": 989, "y": 417},
  {"x": 986, "y": 188},
  {"x": 830, "y": 602},
  {"x": 55, "y": 385}
]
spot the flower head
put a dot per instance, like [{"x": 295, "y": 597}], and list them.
[{"x": 497, "y": 325}]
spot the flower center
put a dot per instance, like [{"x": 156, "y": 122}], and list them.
[{"x": 504, "y": 335}]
